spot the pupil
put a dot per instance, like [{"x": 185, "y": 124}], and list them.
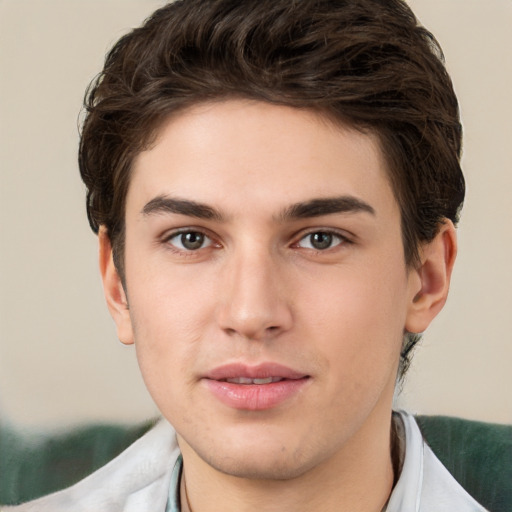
[
  {"x": 321, "y": 240},
  {"x": 192, "y": 240}
]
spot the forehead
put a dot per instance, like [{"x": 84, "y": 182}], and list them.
[{"x": 262, "y": 153}]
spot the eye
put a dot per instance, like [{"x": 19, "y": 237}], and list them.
[
  {"x": 321, "y": 240},
  {"x": 189, "y": 240}
]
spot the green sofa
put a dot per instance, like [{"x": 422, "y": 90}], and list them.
[{"x": 478, "y": 454}]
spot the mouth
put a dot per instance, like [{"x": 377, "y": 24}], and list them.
[
  {"x": 247, "y": 381},
  {"x": 263, "y": 373},
  {"x": 255, "y": 388}
]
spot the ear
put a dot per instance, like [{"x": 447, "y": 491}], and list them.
[
  {"x": 113, "y": 289},
  {"x": 430, "y": 282}
]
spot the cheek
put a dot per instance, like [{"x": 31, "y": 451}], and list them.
[
  {"x": 169, "y": 302},
  {"x": 358, "y": 320},
  {"x": 168, "y": 315}
]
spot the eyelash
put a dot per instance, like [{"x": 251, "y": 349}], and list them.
[
  {"x": 342, "y": 239},
  {"x": 188, "y": 231},
  {"x": 333, "y": 235}
]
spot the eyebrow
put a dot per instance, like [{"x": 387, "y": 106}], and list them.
[
  {"x": 326, "y": 206},
  {"x": 301, "y": 210},
  {"x": 166, "y": 204}
]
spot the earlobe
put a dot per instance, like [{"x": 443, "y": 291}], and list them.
[
  {"x": 113, "y": 289},
  {"x": 430, "y": 282}
]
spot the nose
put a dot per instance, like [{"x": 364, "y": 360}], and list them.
[{"x": 254, "y": 301}]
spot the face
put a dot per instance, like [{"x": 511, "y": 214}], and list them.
[{"x": 266, "y": 283}]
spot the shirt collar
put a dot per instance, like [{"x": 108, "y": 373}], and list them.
[{"x": 173, "y": 501}]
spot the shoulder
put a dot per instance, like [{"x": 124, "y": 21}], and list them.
[
  {"x": 425, "y": 484},
  {"x": 135, "y": 481},
  {"x": 477, "y": 454}
]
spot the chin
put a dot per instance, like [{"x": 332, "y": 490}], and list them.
[
  {"x": 277, "y": 468},
  {"x": 261, "y": 460}
]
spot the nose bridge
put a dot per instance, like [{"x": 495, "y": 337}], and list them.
[{"x": 253, "y": 303}]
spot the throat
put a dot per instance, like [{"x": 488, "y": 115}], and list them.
[{"x": 358, "y": 478}]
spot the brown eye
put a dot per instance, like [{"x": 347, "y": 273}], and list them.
[{"x": 190, "y": 240}]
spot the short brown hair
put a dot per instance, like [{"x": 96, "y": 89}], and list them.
[{"x": 366, "y": 63}]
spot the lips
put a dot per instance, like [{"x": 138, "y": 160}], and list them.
[
  {"x": 255, "y": 388},
  {"x": 260, "y": 371}
]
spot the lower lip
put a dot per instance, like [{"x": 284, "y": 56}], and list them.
[{"x": 255, "y": 397}]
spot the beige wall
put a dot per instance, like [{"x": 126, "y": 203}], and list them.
[{"x": 59, "y": 358}]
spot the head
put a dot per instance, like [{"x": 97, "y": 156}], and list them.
[{"x": 366, "y": 66}]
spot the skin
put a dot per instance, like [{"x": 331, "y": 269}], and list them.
[{"x": 258, "y": 289}]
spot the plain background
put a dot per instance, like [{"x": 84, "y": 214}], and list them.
[{"x": 60, "y": 361}]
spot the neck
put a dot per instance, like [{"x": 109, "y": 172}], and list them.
[{"x": 358, "y": 478}]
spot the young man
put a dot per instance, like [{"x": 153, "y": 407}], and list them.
[{"x": 275, "y": 186}]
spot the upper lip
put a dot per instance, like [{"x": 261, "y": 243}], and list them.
[{"x": 259, "y": 371}]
